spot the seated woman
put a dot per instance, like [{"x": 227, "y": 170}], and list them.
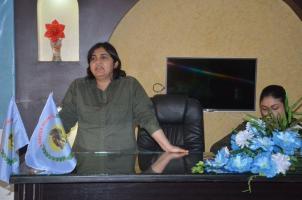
[{"x": 272, "y": 99}]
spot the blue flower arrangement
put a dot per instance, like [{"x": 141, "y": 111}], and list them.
[
  {"x": 267, "y": 146},
  {"x": 257, "y": 151}
]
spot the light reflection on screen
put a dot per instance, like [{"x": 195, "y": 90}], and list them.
[{"x": 218, "y": 83}]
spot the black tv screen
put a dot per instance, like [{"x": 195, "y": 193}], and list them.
[{"x": 218, "y": 83}]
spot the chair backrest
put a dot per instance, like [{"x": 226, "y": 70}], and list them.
[{"x": 181, "y": 119}]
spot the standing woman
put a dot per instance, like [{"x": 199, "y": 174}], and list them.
[{"x": 108, "y": 105}]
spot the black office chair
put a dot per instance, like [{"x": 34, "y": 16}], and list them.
[{"x": 181, "y": 119}]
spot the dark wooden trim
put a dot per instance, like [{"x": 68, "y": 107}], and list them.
[
  {"x": 159, "y": 191},
  {"x": 145, "y": 178},
  {"x": 296, "y": 6}
]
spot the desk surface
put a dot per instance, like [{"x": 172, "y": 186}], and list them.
[
  {"x": 140, "y": 167},
  {"x": 146, "y": 176}
]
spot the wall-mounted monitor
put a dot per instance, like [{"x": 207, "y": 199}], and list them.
[{"x": 220, "y": 84}]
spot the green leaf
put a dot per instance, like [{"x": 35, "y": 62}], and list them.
[
  {"x": 198, "y": 168},
  {"x": 284, "y": 123},
  {"x": 250, "y": 117},
  {"x": 290, "y": 116},
  {"x": 249, "y": 183},
  {"x": 287, "y": 108},
  {"x": 296, "y": 104}
]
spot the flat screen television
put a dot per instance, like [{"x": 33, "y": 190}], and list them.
[{"x": 220, "y": 84}]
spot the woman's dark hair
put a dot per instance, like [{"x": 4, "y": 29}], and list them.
[
  {"x": 275, "y": 91},
  {"x": 117, "y": 72}
]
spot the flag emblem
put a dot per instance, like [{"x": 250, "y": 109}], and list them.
[
  {"x": 57, "y": 139},
  {"x": 10, "y": 147}
]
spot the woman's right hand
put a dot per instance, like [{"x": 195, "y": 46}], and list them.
[{"x": 176, "y": 149}]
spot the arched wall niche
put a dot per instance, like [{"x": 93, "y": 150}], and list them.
[{"x": 60, "y": 45}]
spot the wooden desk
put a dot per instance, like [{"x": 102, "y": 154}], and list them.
[{"x": 114, "y": 176}]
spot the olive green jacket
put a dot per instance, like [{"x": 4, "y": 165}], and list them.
[{"x": 107, "y": 119}]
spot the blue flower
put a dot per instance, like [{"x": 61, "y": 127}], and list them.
[
  {"x": 234, "y": 146},
  {"x": 288, "y": 141},
  {"x": 221, "y": 158},
  {"x": 239, "y": 163},
  {"x": 217, "y": 170},
  {"x": 263, "y": 143},
  {"x": 264, "y": 165}
]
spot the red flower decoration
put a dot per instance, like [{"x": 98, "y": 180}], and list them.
[{"x": 54, "y": 31}]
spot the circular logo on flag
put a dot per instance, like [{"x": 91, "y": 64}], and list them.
[
  {"x": 57, "y": 138},
  {"x": 6, "y": 153}
]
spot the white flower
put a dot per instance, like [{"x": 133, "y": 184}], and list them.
[
  {"x": 249, "y": 128},
  {"x": 282, "y": 162},
  {"x": 261, "y": 123},
  {"x": 226, "y": 151},
  {"x": 243, "y": 138}
]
